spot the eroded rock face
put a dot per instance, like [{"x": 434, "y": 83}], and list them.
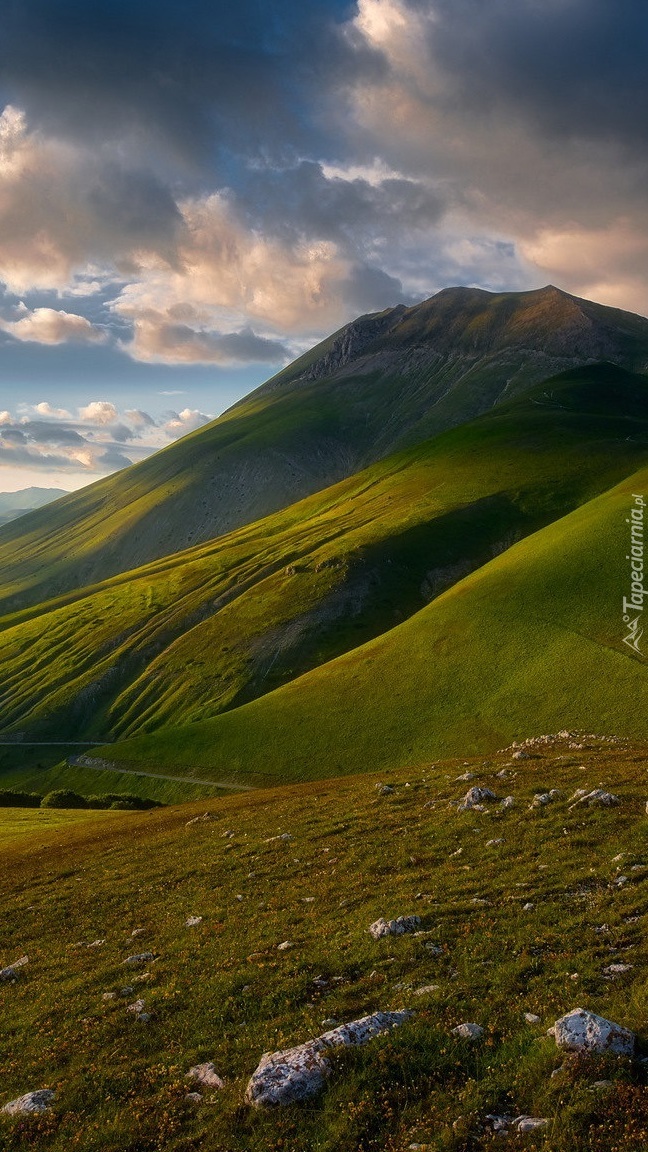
[
  {"x": 297, "y": 1073},
  {"x": 397, "y": 927},
  {"x": 38, "y": 1101},
  {"x": 581, "y": 1031}
]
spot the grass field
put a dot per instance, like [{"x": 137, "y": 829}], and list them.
[
  {"x": 27, "y": 826},
  {"x": 531, "y": 642},
  {"x": 221, "y": 991}
]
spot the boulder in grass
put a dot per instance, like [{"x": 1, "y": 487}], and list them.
[
  {"x": 205, "y": 1075},
  {"x": 582, "y": 1031},
  {"x": 468, "y": 1031},
  {"x": 475, "y": 797},
  {"x": 397, "y": 927},
  {"x": 38, "y": 1101},
  {"x": 298, "y": 1073},
  {"x": 138, "y": 959}
]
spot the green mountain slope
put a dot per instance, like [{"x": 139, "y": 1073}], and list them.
[
  {"x": 383, "y": 382},
  {"x": 532, "y": 642},
  {"x": 183, "y": 639}
]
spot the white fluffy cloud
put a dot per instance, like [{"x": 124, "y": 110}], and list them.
[{"x": 51, "y": 326}]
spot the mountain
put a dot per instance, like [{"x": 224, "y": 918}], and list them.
[
  {"x": 214, "y": 627},
  {"x": 15, "y": 504},
  {"x": 384, "y": 382},
  {"x": 531, "y": 642}
]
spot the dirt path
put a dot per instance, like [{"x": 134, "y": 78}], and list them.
[{"x": 86, "y": 763}]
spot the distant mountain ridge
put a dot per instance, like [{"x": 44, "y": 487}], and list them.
[
  {"x": 15, "y": 504},
  {"x": 383, "y": 382}
]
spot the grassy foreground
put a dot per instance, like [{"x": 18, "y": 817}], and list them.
[{"x": 222, "y": 991}]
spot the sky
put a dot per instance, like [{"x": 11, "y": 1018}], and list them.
[{"x": 192, "y": 193}]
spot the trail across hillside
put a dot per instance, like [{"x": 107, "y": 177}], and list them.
[{"x": 86, "y": 762}]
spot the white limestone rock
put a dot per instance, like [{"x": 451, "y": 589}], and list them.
[
  {"x": 582, "y": 1031},
  {"x": 475, "y": 797},
  {"x": 468, "y": 1031},
  {"x": 38, "y": 1101},
  {"x": 206, "y": 1075},
  {"x": 397, "y": 927},
  {"x": 298, "y": 1073}
]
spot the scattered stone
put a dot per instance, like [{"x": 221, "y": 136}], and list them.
[
  {"x": 137, "y": 1007},
  {"x": 492, "y": 843},
  {"x": 96, "y": 944},
  {"x": 38, "y": 1101},
  {"x": 474, "y": 797},
  {"x": 531, "y": 1018},
  {"x": 200, "y": 819},
  {"x": 599, "y": 1085},
  {"x": 520, "y": 755},
  {"x": 138, "y": 958},
  {"x": 298, "y": 1073},
  {"x": 543, "y": 798},
  {"x": 397, "y": 927},
  {"x": 614, "y": 970},
  {"x": 528, "y": 1123},
  {"x": 384, "y": 789},
  {"x": 597, "y": 797},
  {"x": 206, "y": 1075},
  {"x": 582, "y": 1031},
  {"x": 109, "y": 996},
  {"x": 435, "y": 949},
  {"x": 466, "y": 776},
  {"x": 192, "y": 921},
  {"x": 528, "y": 907},
  {"x": 426, "y": 989},
  {"x": 468, "y": 1031},
  {"x": 138, "y": 932},
  {"x": 194, "y": 1097},
  {"x": 12, "y": 971},
  {"x": 284, "y": 946},
  {"x": 127, "y": 990},
  {"x": 273, "y": 839},
  {"x": 508, "y": 802}
]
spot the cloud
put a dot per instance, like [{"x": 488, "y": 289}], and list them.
[
  {"x": 49, "y": 326},
  {"x": 99, "y": 412},
  {"x": 179, "y": 423}
]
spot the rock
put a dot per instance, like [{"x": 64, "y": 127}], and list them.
[
  {"x": 493, "y": 843},
  {"x": 109, "y": 996},
  {"x": 297, "y": 1073},
  {"x": 468, "y": 1031},
  {"x": 531, "y": 1018},
  {"x": 508, "y": 802},
  {"x": 11, "y": 972},
  {"x": 474, "y": 797},
  {"x": 282, "y": 836},
  {"x": 138, "y": 932},
  {"x": 199, "y": 819},
  {"x": 139, "y": 958},
  {"x": 435, "y": 949},
  {"x": 617, "y": 969},
  {"x": 127, "y": 990},
  {"x": 192, "y": 921},
  {"x": 284, "y": 946},
  {"x": 528, "y": 907},
  {"x": 396, "y": 927},
  {"x": 520, "y": 755},
  {"x": 543, "y": 798},
  {"x": 427, "y": 988},
  {"x": 597, "y": 797},
  {"x": 38, "y": 1101},
  {"x": 528, "y": 1123},
  {"x": 384, "y": 789},
  {"x": 137, "y": 1007},
  {"x": 206, "y": 1075},
  {"x": 194, "y": 1097},
  {"x": 466, "y": 776},
  {"x": 582, "y": 1031}
]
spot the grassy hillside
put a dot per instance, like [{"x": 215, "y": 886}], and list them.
[
  {"x": 522, "y": 911},
  {"x": 384, "y": 381},
  {"x": 530, "y": 642},
  {"x": 216, "y": 626}
]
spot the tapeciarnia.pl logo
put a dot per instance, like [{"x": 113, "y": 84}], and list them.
[{"x": 633, "y": 605}]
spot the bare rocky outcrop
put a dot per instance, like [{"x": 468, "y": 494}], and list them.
[
  {"x": 297, "y": 1073},
  {"x": 205, "y": 1075},
  {"x": 475, "y": 798}
]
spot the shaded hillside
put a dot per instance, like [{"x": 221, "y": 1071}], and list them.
[
  {"x": 531, "y": 642},
  {"x": 216, "y": 626},
  {"x": 15, "y": 504},
  {"x": 382, "y": 382}
]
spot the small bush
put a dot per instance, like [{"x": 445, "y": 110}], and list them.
[
  {"x": 123, "y": 800},
  {"x": 10, "y": 799},
  {"x": 63, "y": 798}
]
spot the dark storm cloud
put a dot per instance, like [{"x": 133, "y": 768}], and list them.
[
  {"x": 46, "y": 433},
  {"x": 573, "y": 67},
  {"x": 193, "y": 75}
]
